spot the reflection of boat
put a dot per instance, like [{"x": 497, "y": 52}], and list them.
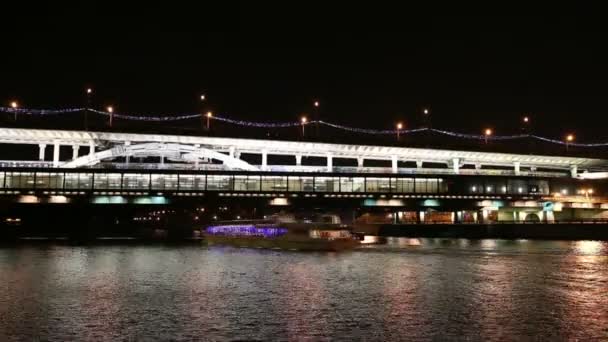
[{"x": 280, "y": 234}]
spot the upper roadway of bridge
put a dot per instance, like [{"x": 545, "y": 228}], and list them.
[{"x": 192, "y": 149}]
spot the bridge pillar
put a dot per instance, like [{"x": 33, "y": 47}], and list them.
[
  {"x": 477, "y": 166},
  {"x": 264, "y": 159},
  {"x": 128, "y": 156},
  {"x": 456, "y": 165},
  {"x": 298, "y": 159},
  {"x": 330, "y": 165},
  {"x": 56, "y": 153},
  {"x": 91, "y": 148},
  {"x": 573, "y": 171},
  {"x": 196, "y": 161},
  {"x": 41, "y": 148},
  {"x": 517, "y": 166},
  {"x": 75, "y": 149},
  {"x": 394, "y": 164},
  {"x": 360, "y": 161},
  {"x": 419, "y": 164},
  {"x": 231, "y": 151}
]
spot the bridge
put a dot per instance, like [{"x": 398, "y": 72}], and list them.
[{"x": 213, "y": 153}]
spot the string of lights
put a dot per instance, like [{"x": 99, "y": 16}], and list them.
[{"x": 244, "y": 123}]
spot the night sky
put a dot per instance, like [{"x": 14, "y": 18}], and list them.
[{"x": 472, "y": 71}]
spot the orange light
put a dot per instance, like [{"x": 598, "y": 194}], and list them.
[
  {"x": 425, "y": 111},
  {"x": 209, "y": 114},
  {"x": 316, "y": 103},
  {"x": 488, "y": 131},
  {"x": 203, "y": 97},
  {"x": 570, "y": 137},
  {"x": 14, "y": 104},
  {"x": 89, "y": 90},
  {"x": 399, "y": 126},
  {"x": 110, "y": 109},
  {"x": 304, "y": 120},
  {"x": 526, "y": 119}
]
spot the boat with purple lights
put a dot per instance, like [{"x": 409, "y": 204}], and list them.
[{"x": 274, "y": 234}]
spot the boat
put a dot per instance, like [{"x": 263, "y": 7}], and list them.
[{"x": 276, "y": 233}]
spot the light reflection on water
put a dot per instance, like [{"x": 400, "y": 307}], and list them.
[{"x": 408, "y": 288}]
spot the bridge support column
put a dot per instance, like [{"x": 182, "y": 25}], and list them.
[
  {"x": 298, "y": 160},
  {"x": 231, "y": 151},
  {"x": 456, "y": 165},
  {"x": 419, "y": 164},
  {"x": 91, "y": 148},
  {"x": 128, "y": 156},
  {"x": 477, "y": 166},
  {"x": 394, "y": 164},
  {"x": 196, "y": 161},
  {"x": 264, "y": 160},
  {"x": 56, "y": 154},
  {"x": 517, "y": 166},
  {"x": 41, "y": 148},
  {"x": 360, "y": 161},
  {"x": 330, "y": 165},
  {"x": 75, "y": 149},
  {"x": 573, "y": 171}
]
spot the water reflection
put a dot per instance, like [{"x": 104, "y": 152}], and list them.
[{"x": 407, "y": 289}]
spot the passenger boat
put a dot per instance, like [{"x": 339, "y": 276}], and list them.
[{"x": 281, "y": 234}]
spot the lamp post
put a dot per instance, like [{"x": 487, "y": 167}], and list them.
[
  {"x": 89, "y": 93},
  {"x": 208, "y": 115},
  {"x": 569, "y": 139},
  {"x": 110, "y": 110},
  {"x": 14, "y": 106},
  {"x": 304, "y": 120},
  {"x": 316, "y": 107},
  {"x": 427, "y": 117},
  {"x": 486, "y": 134},
  {"x": 399, "y": 128}
]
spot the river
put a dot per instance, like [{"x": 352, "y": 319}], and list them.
[{"x": 407, "y": 289}]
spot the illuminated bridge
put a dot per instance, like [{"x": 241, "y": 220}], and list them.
[
  {"x": 411, "y": 183},
  {"x": 129, "y": 150}
]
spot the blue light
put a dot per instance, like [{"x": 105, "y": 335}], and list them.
[{"x": 247, "y": 230}]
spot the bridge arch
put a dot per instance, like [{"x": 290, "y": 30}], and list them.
[{"x": 177, "y": 151}]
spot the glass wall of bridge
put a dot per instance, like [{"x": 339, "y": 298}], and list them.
[{"x": 112, "y": 181}]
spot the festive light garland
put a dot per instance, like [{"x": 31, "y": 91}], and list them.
[{"x": 244, "y": 123}]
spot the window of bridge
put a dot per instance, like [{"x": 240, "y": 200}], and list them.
[
  {"x": 274, "y": 183},
  {"x": 352, "y": 184},
  {"x": 298, "y": 184},
  {"x": 19, "y": 180},
  {"x": 163, "y": 182},
  {"x": 247, "y": 183},
  {"x": 377, "y": 184},
  {"x": 402, "y": 185},
  {"x": 426, "y": 185},
  {"x": 192, "y": 182},
  {"x": 107, "y": 181},
  {"x": 219, "y": 183},
  {"x": 49, "y": 180},
  {"x": 78, "y": 180},
  {"x": 327, "y": 184},
  {"x": 136, "y": 181}
]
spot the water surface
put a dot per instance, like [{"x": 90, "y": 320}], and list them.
[{"x": 414, "y": 289}]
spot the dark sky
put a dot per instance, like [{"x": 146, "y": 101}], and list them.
[{"x": 473, "y": 71}]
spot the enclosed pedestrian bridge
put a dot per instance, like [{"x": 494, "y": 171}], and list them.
[{"x": 180, "y": 152}]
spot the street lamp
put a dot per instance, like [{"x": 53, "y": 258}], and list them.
[
  {"x": 569, "y": 139},
  {"x": 89, "y": 93},
  {"x": 209, "y": 115},
  {"x": 399, "y": 128},
  {"x": 110, "y": 110},
  {"x": 487, "y": 133},
  {"x": 316, "y": 105},
  {"x": 304, "y": 120},
  {"x": 14, "y": 106}
]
